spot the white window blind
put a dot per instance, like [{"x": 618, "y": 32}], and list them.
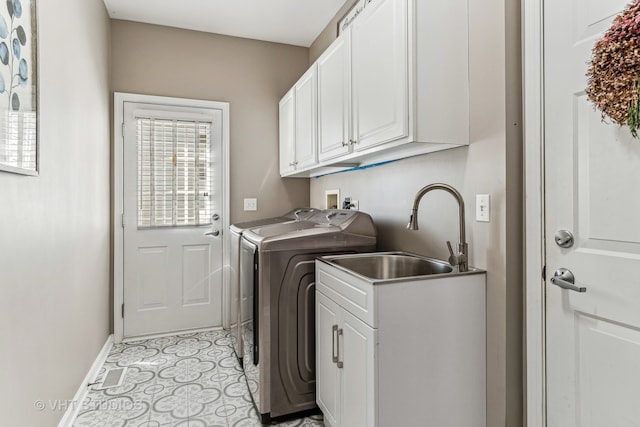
[
  {"x": 18, "y": 146},
  {"x": 174, "y": 172}
]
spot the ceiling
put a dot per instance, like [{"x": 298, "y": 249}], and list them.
[{"x": 296, "y": 22}]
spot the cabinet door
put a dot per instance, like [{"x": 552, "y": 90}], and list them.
[
  {"x": 380, "y": 74},
  {"x": 357, "y": 352},
  {"x": 306, "y": 120},
  {"x": 327, "y": 373},
  {"x": 287, "y": 133},
  {"x": 334, "y": 99}
]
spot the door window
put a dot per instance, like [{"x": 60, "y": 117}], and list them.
[{"x": 174, "y": 178}]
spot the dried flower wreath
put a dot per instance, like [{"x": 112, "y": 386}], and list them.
[{"x": 614, "y": 72}]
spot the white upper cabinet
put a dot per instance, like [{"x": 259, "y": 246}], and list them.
[
  {"x": 394, "y": 84},
  {"x": 334, "y": 110},
  {"x": 298, "y": 125},
  {"x": 287, "y": 133},
  {"x": 379, "y": 75},
  {"x": 306, "y": 120}
]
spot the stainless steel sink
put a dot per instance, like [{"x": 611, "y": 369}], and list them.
[{"x": 390, "y": 265}]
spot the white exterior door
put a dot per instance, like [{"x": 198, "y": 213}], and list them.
[
  {"x": 172, "y": 184},
  {"x": 592, "y": 187}
]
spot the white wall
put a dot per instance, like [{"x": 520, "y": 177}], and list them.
[
  {"x": 387, "y": 193},
  {"x": 54, "y": 229}
]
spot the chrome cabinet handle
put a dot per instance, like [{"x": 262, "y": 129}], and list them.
[
  {"x": 334, "y": 335},
  {"x": 565, "y": 279},
  {"x": 214, "y": 233},
  {"x": 339, "y": 362}
]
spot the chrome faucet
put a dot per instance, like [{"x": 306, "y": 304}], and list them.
[{"x": 460, "y": 258}]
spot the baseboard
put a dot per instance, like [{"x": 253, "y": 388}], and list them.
[
  {"x": 72, "y": 411},
  {"x": 170, "y": 334}
]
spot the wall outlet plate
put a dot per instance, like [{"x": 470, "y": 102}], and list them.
[
  {"x": 250, "y": 204},
  {"x": 483, "y": 207}
]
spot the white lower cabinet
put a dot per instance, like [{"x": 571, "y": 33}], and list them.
[
  {"x": 345, "y": 362},
  {"x": 358, "y": 372},
  {"x": 406, "y": 353}
]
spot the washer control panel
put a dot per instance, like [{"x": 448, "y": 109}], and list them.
[{"x": 336, "y": 217}]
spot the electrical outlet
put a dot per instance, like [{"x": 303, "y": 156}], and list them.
[
  {"x": 356, "y": 205},
  {"x": 250, "y": 204},
  {"x": 483, "y": 207}
]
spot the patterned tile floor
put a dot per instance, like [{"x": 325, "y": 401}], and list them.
[{"x": 190, "y": 380}]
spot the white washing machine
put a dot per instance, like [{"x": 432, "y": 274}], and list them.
[
  {"x": 241, "y": 303},
  {"x": 277, "y": 265}
]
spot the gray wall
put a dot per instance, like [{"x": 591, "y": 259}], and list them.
[
  {"x": 490, "y": 165},
  {"x": 328, "y": 35},
  {"x": 251, "y": 75},
  {"x": 514, "y": 183},
  {"x": 54, "y": 229}
]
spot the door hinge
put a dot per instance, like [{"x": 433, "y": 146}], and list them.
[
  {"x": 122, "y": 219},
  {"x": 123, "y": 310},
  {"x": 123, "y": 129},
  {"x": 544, "y": 273}
]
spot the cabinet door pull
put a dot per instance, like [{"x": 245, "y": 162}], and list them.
[
  {"x": 339, "y": 362},
  {"x": 334, "y": 335}
]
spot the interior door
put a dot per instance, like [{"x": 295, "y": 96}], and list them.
[
  {"x": 172, "y": 207},
  {"x": 591, "y": 181}
]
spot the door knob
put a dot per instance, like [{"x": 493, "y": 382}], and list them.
[
  {"x": 213, "y": 233},
  {"x": 215, "y": 217},
  {"x": 566, "y": 280},
  {"x": 564, "y": 239}
]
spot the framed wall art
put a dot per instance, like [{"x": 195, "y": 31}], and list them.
[{"x": 18, "y": 87}]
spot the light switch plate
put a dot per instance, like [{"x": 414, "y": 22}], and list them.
[
  {"x": 250, "y": 204},
  {"x": 483, "y": 207}
]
